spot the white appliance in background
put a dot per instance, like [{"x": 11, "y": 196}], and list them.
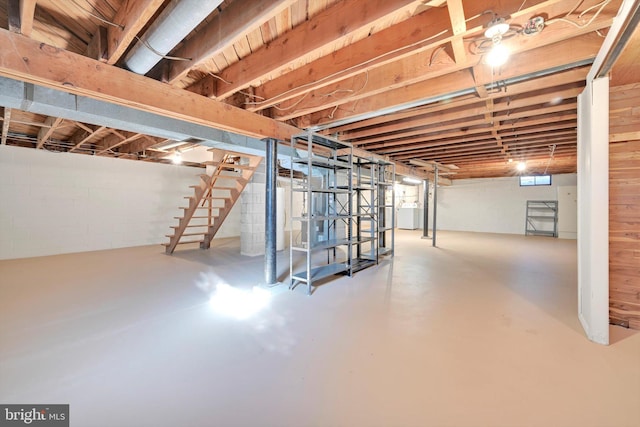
[{"x": 409, "y": 216}]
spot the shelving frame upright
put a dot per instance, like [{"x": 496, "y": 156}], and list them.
[{"x": 385, "y": 202}]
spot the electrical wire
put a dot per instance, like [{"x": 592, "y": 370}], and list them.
[
  {"x": 330, "y": 76},
  {"x": 99, "y": 18},
  {"x": 552, "y": 148},
  {"x": 601, "y": 6},
  {"x": 324, "y": 95},
  {"x": 220, "y": 78},
  {"x": 172, "y": 58},
  {"x": 144, "y": 42}
]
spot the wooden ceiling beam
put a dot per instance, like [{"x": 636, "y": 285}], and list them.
[
  {"x": 142, "y": 144},
  {"x": 225, "y": 29},
  {"x": 115, "y": 140},
  {"x": 574, "y": 76},
  {"x": 486, "y": 145},
  {"x": 459, "y": 26},
  {"x": 83, "y": 135},
  {"x": 34, "y": 62},
  {"x": 412, "y": 149},
  {"x": 470, "y": 134},
  {"x": 132, "y": 17},
  {"x": 393, "y": 43},
  {"x": 464, "y": 123},
  {"x": 414, "y": 36},
  {"x": 333, "y": 25},
  {"x": 414, "y": 75},
  {"x": 20, "y": 15},
  {"x": 447, "y": 115},
  {"x": 6, "y": 121},
  {"x": 414, "y": 86},
  {"x": 49, "y": 126}
]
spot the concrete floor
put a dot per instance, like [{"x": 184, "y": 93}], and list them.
[{"x": 481, "y": 331}]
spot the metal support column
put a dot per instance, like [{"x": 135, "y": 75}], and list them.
[
  {"x": 425, "y": 214},
  {"x": 435, "y": 202},
  {"x": 270, "y": 217}
]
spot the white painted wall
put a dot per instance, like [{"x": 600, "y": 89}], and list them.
[
  {"x": 54, "y": 203},
  {"x": 593, "y": 214},
  {"x": 491, "y": 205},
  {"x": 568, "y": 212}
]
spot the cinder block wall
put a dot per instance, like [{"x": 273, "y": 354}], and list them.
[
  {"x": 55, "y": 203},
  {"x": 252, "y": 222}
]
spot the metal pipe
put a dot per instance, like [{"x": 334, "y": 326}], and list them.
[
  {"x": 451, "y": 95},
  {"x": 425, "y": 214},
  {"x": 435, "y": 203},
  {"x": 270, "y": 217},
  {"x": 174, "y": 23}
]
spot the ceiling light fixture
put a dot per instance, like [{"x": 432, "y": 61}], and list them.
[
  {"x": 499, "y": 53},
  {"x": 522, "y": 166},
  {"x": 497, "y": 28},
  {"x": 177, "y": 158},
  {"x": 410, "y": 180}
]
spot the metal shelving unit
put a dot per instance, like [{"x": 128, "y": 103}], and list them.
[
  {"x": 374, "y": 210},
  {"x": 326, "y": 221},
  {"x": 365, "y": 219},
  {"x": 385, "y": 206},
  {"x": 542, "y": 218}
]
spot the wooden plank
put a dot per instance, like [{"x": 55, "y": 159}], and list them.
[
  {"x": 440, "y": 117},
  {"x": 98, "y": 48},
  {"x": 624, "y": 221},
  {"x": 27, "y": 60},
  {"x": 27, "y": 12},
  {"x": 557, "y": 82},
  {"x": 226, "y": 28},
  {"x": 459, "y": 26},
  {"x": 50, "y": 125},
  {"x": 333, "y": 25},
  {"x": 116, "y": 140},
  {"x": 5, "y": 125},
  {"x": 417, "y": 145},
  {"x": 414, "y": 36},
  {"x": 396, "y": 138},
  {"x": 83, "y": 135},
  {"x": 414, "y": 76},
  {"x": 376, "y": 50},
  {"x": 132, "y": 17}
]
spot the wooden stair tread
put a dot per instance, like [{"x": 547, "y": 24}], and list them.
[
  {"x": 204, "y": 192},
  {"x": 187, "y": 234},
  {"x": 184, "y": 242},
  {"x": 229, "y": 165},
  {"x": 203, "y": 207},
  {"x": 223, "y": 188}
]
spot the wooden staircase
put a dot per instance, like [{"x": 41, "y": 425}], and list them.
[{"x": 214, "y": 196}]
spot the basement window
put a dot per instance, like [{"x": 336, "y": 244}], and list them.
[{"x": 533, "y": 180}]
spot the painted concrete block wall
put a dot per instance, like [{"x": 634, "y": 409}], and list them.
[
  {"x": 54, "y": 203},
  {"x": 492, "y": 205},
  {"x": 252, "y": 222},
  {"x": 568, "y": 211}
]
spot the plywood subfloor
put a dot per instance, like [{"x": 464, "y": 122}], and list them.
[{"x": 481, "y": 331}]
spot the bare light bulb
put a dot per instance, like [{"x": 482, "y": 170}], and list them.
[
  {"x": 177, "y": 158},
  {"x": 498, "y": 55},
  {"x": 522, "y": 166}
]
